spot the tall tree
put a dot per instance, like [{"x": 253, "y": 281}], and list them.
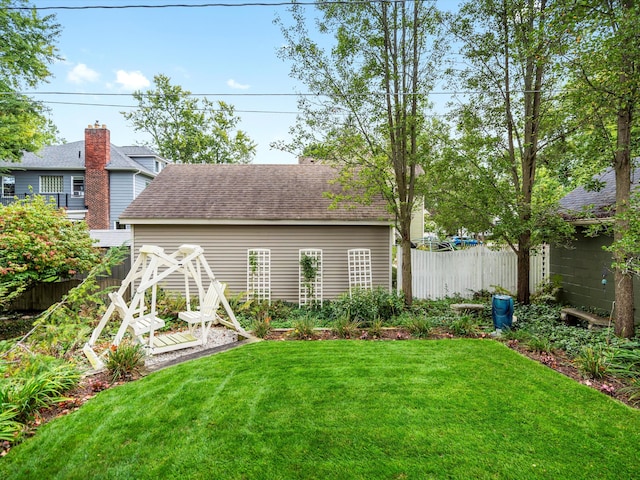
[
  {"x": 187, "y": 130},
  {"x": 506, "y": 121},
  {"x": 606, "y": 89},
  {"x": 369, "y": 67},
  {"x": 27, "y": 49}
]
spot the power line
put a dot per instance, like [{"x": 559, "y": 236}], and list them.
[
  {"x": 113, "y": 105},
  {"x": 266, "y": 94},
  {"x": 203, "y": 5}
]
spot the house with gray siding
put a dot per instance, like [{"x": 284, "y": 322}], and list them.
[
  {"x": 236, "y": 211},
  {"x": 583, "y": 266},
  {"x": 92, "y": 179}
]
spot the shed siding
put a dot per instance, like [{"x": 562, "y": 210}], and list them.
[
  {"x": 582, "y": 268},
  {"x": 121, "y": 186},
  {"x": 226, "y": 252}
]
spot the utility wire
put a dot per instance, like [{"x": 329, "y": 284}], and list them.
[{"x": 204, "y": 5}]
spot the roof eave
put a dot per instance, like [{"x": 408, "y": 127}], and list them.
[{"x": 218, "y": 221}]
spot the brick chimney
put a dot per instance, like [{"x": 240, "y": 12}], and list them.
[{"x": 97, "y": 154}]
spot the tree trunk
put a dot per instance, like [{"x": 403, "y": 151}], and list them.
[
  {"x": 524, "y": 261},
  {"x": 624, "y": 321},
  {"x": 405, "y": 243}
]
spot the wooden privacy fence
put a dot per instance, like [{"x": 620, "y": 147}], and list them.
[
  {"x": 43, "y": 295},
  {"x": 462, "y": 272}
]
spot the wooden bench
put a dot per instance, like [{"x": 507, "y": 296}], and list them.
[
  {"x": 467, "y": 307},
  {"x": 593, "y": 320}
]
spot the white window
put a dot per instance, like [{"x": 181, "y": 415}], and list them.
[
  {"x": 51, "y": 184},
  {"x": 77, "y": 186},
  {"x": 8, "y": 186},
  {"x": 157, "y": 166}
]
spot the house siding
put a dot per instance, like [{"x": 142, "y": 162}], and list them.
[
  {"x": 28, "y": 182},
  {"x": 582, "y": 267},
  {"x": 121, "y": 186},
  {"x": 226, "y": 246},
  {"x": 148, "y": 163}
]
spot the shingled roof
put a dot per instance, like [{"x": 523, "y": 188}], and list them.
[
  {"x": 70, "y": 156},
  {"x": 582, "y": 204},
  {"x": 247, "y": 193}
]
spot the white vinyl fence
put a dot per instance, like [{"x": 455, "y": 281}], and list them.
[{"x": 463, "y": 272}]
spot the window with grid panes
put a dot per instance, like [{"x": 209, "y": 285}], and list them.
[
  {"x": 8, "y": 186},
  {"x": 51, "y": 184}
]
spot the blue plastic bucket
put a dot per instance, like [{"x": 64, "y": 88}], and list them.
[{"x": 502, "y": 311}]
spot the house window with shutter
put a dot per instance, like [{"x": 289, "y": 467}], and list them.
[{"x": 51, "y": 184}]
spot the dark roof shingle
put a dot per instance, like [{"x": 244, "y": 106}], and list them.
[
  {"x": 600, "y": 203},
  {"x": 248, "y": 192}
]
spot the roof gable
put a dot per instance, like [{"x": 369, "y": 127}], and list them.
[{"x": 223, "y": 193}]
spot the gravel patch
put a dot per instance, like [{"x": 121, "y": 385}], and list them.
[{"x": 218, "y": 339}]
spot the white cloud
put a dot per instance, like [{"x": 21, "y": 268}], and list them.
[
  {"x": 131, "y": 80},
  {"x": 233, "y": 84},
  {"x": 81, "y": 74}
]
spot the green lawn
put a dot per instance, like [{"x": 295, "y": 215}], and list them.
[{"x": 469, "y": 409}]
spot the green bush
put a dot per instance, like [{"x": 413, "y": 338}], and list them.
[
  {"x": 539, "y": 344},
  {"x": 9, "y": 428},
  {"x": 419, "y": 326},
  {"x": 345, "y": 328},
  {"x": 593, "y": 362},
  {"x": 261, "y": 327},
  {"x": 625, "y": 361},
  {"x": 375, "y": 330},
  {"x": 303, "y": 327},
  {"x": 464, "y": 326},
  {"x": 365, "y": 306},
  {"x": 124, "y": 361},
  {"x": 38, "y": 383}
]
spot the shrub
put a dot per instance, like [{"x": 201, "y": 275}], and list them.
[
  {"x": 625, "y": 361},
  {"x": 124, "y": 361},
  {"x": 303, "y": 327},
  {"x": 365, "y": 306},
  {"x": 464, "y": 325},
  {"x": 593, "y": 362},
  {"x": 539, "y": 344},
  {"x": 345, "y": 328},
  {"x": 419, "y": 326},
  {"x": 9, "y": 427},
  {"x": 40, "y": 383},
  {"x": 261, "y": 327},
  {"x": 375, "y": 330}
]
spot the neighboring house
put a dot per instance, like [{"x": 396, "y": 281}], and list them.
[
  {"x": 92, "y": 179},
  {"x": 584, "y": 267},
  {"x": 230, "y": 210}
]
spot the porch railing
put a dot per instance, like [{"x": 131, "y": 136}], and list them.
[{"x": 62, "y": 200}]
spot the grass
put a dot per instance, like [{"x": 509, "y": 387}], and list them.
[{"x": 342, "y": 409}]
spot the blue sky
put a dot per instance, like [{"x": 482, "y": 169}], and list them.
[
  {"x": 204, "y": 50},
  {"x": 229, "y": 51}
]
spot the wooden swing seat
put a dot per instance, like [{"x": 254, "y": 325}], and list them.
[{"x": 145, "y": 324}]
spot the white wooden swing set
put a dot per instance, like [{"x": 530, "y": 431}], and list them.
[{"x": 151, "y": 267}]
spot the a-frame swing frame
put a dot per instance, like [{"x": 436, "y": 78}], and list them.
[{"x": 150, "y": 268}]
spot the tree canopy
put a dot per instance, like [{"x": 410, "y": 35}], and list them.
[
  {"x": 604, "y": 87},
  {"x": 38, "y": 243},
  {"x": 498, "y": 173},
  {"x": 27, "y": 49},
  {"x": 370, "y": 67},
  {"x": 186, "y": 129}
]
